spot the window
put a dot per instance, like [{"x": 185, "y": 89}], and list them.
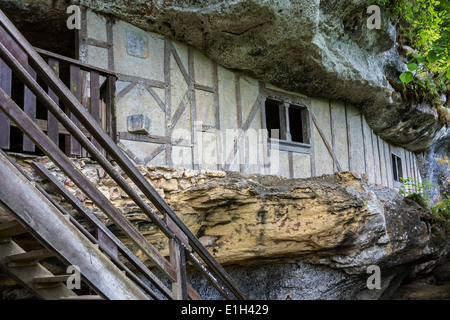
[
  {"x": 290, "y": 120},
  {"x": 397, "y": 168}
]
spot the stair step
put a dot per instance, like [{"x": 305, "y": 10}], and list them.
[
  {"x": 11, "y": 228},
  {"x": 26, "y": 258},
  {"x": 45, "y": 282},
  {"x": 87, "y": 297}
]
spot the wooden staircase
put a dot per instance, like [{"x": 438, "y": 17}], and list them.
[{"x": 103, "y": 260}]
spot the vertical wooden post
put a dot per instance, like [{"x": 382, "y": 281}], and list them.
[
  {"x": 75, "y": 87},
  {"x": 178, "y": 261},
  {"x": 95, "y": 101},
  {"x": 29, "y": 106},
  {"x": 168, "y": 102},
  {"x": 194, "y": 133},
  {"x": 110, "y": 101},
  {"x": 5, "y": 84},
  {"x": 52, "y": 122}
]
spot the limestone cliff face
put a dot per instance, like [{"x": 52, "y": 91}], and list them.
[
  {"x": 337, "y": 220},
  {"x": 329, "y": 229}
]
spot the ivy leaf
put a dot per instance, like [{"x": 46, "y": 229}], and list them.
[
  {"x": 432, "y": 56},
  {"x": 406, "y": 77},
  {"x": 419, "y": 57},
  {"x": 448, "y": 74},
  {"x": 412, "y": 66}
]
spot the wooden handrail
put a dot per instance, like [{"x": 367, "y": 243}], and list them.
[
  {"x": 82, "y": 65},
  {"x": 75, "y": 107}
]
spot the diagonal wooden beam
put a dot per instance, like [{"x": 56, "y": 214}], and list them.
[
  {"x": 155, "y": 96},
  {"x": 186, "y": 76},
  {"x": 181, "y": 108},
  {"x": 125, "y": 91},
  {"x": 327, "y": 144},
  {"x": 243, "y": 131}
]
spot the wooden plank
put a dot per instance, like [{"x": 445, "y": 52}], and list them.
[
  {"x": 11, "y": 228},
  {"x": 349, "y": 141},
  {"x": 97, "y": 43},
  {"x": 187, "y": 76},
  {"x": 327, "y": 144},
  {"x": 159, "y": 102},
  {"x": 364, "y": 145},
  {"x": 107, "y": 142},
  {"x": 25, "y": 275},
  {"x": 379, "y": 160},
  {"x": 154, "y": 153},
  {"x": 110, "y": 100},
  {"x": 242, "y": 132},
  {"x": 373, "y": 157},
  {"x": 181, "y": 108},
  {"x": 74, "y": 147},
  {"x": 51, "y": 279},
  {"x": 125, "y": 91},
  {"x": 332, "y": 129},
  {"x": 95, "y": 101},
  {"x": 237, "y": 144},
  {"x": 112, "y": 240},
  {"x": 219, "y": 137},
  {"x": 26, "y": 258},
  {"x": 167, "y": 106},
  {"x": 52, "y": 122},
  {"x": 143, "y": 137},
  {"x": 98, "y": 198},
  {"x": 110, "y": 41},
  {"x": 29, "y": 106},
  {"x": 144, "y": 81},
  {"x": 180, "y": 234},
  {"x": 6, "y": 85},
  {"x": 191, "y": 69},
  {"x": 106, "y": 243},
  {"x": 54, "y": 231},
  {"x": 13, "y": 47},
  {"x": 265, "y": 142},
  {"x": 82, "y": 65},
  {"x": 204, "y": 88},
  {"x": 178, "y": 260}
]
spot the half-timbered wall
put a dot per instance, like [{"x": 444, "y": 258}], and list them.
[{"x": 203, "y": 116}]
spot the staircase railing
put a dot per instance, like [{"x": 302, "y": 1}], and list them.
[{"x": 182, "y": 242}]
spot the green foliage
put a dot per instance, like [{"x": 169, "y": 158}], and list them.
[
  {"x": 416, "y": 190},
  {"x": 424, "y": 25},
  {"x": 441, "y": 212}
]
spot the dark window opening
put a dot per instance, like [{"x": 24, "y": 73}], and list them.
[
  {"x": 397, "y": 168},
  {"x": 290, "y": 121},
  {"x": 296, "y": 125},
  {"x": 273, "y": 116}
]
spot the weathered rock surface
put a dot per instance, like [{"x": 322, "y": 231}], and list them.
[{"x": 298, "y": 238}]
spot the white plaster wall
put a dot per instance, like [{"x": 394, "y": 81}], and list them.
[{"x": 214, "y": 148}]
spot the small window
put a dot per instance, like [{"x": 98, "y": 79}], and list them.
[
  {"x": 397, "y": 168},
  {"x": 290, "y": 120},
  {"x": 272, "y": 116},
  {"x": 296, "y": 126}
]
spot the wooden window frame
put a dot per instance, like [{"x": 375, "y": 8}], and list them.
[
  {"x": 285, "y": 102},
  {"x": 396, "y": 159}
]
